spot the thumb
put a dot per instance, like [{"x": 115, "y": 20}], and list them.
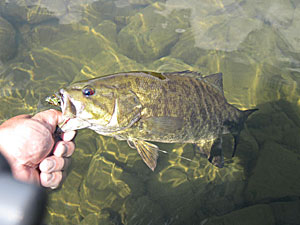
[{"x": 50, "y": 118}]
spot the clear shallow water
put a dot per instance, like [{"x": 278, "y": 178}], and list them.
[{"x": 45, "y": 45}]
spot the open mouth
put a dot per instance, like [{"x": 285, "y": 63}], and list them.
[
  {"x": 62, "y": 100},
  {"x": 71, "y": 110},
  {"x": 67, "y": 107}
]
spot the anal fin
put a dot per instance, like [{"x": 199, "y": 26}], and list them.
[
  {"x": 148, "y": 152},
  {"x": 212, "y": 149},
  {"x": 216, "y": 154}
]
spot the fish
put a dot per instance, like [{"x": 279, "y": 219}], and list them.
[{"x": 142, "y": 107}]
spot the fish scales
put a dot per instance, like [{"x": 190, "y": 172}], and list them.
[
  {"x": 138, "y": 107},
  {"x": 169, "y": 103}
]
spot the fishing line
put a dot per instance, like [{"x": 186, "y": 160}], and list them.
[{"x": 182, "y": 157}]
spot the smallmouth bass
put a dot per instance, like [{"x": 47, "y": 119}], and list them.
[{"x": 138, "y": 107}]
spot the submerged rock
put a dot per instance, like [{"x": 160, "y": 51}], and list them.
[
  {"x": 253, "y": 215},
  {"x": 143, "y": 2},
  {"x": 107, "y": 184},
  {"x": 286, "y": 212},
  {"x": 8, "y": 44},
  {"x": 170, "y": 64},
  {"x": 102, "y": 186},
  {"x": 273, "y": 213},
  {"x": 108, "y": 62},
  {"x": 292, "y": 32},
  {"x": 142, "y": 211},
  {"x": 149, "y": 34},
  {"x": 174, "y": 193},
  {"x": 274, "y": 175},
  {"x": 69, "y": 195},
  {"x": 191, "y": 190},
  {"x": 276, "y": 13},
  {"x": 21, "y": 12},
  {"x": 66, "y": 197},
  {"x": 100, "y": 218}
]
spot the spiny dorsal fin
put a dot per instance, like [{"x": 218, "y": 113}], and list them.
[
  {"x": 156, "y": 74},
  {"x": 187, "y": 73},
  {"x": 216, "y": 80}
]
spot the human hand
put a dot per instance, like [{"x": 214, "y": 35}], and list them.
[{"x": 26, "y": 142}]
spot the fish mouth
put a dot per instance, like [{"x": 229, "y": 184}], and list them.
[
  {"x": 67, "y": 106},
  {"x": 71, "y": 113},
  {"x": 68, "y": 109}
]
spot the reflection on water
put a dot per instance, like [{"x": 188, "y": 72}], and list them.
[{"x": 45, "y": 45}]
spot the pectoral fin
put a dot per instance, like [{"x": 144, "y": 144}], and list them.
[
  {"x": 148, "y": 152},
  {"x": 164, "y": 124}
]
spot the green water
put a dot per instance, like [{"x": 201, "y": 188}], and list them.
[{"x": 46, "y": 44}]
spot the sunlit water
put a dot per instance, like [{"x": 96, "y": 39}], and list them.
[{"x": 45, "y": 45}]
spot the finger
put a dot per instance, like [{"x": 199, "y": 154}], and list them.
[
  {"x": 51, "y": 180},
  {"x": 12, "y": 120},
  {"x": 24, "y": 116},
  {"x": 68, "y": 136},
  {"x": 64, "y": 149},
  {"x": 54, "y": 163},
  {"x": 50, "y": 118}
]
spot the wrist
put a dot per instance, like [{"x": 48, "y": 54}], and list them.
[
  {"x": 1, "y": 142},
  {"x": 3, "y": 151},
  {"x": 6, "y": 135}
]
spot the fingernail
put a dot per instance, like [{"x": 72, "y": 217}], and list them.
[
  {"x": 49, "y": 177},
  {"x": 68, "y": 136},
  {"x": 64, "y": 150},
  {"x": 54, "y": 187},
  {"x": 47, "y": 165}
]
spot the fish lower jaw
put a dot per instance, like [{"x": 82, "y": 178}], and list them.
[
  {"x": 70, "y": 124},
  {"x": 103, "y": 132}
]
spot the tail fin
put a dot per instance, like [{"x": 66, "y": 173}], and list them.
[{"x": 236, "y": 134}]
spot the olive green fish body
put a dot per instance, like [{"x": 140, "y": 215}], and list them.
[{"x": 173, "y": 107}]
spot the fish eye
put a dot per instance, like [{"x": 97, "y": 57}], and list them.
[{"x": 88, "y": 91}]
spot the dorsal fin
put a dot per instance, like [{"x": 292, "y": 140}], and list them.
[
  {"x": 187, "y": 73},
  {"x": 155, "y": 74},
  {"x": 216, "y": 80}
]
